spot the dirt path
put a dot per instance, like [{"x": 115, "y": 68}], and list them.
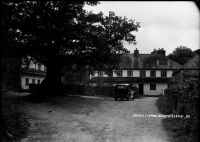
[{"x": 76, "y": 119}]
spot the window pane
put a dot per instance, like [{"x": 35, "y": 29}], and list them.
[
  {"x": 142, "y": 73},
  {"x": 27, "y": 81},
  {"x": 100, "y": 73},
  {"x": 119, "y": 73},
  {"x": 153, "y": 73},
  {"x": 110, "y": 73},
  {"x": 129, "y": 73},
  {"x": 163, "y": 73},
  {"x": 33, "y": 81},
  {"x": 152, "y": 86}
]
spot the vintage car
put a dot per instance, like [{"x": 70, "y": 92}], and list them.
[{"x": 124, "y": 91}]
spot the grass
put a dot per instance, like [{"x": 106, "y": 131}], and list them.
[{"x": 14, "y": 122}]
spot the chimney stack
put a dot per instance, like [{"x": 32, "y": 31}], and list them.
[{"x": 136, "y": 53}]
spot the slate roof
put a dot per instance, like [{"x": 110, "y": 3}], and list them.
[{"x": 146, "y": 61}]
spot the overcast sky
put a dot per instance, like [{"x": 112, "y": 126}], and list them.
[{"x": 163, "y": 24}]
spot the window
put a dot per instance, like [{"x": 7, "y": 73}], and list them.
[
  {"x": 33, "y": 81},
  {"x": 162, "y": 62},
  {"x": 110, "y": 73},
  {"x": 119, "y": 73},
  {"x": 153, "y": 86},
  {"x": 129, "y": 73},
  {"x": 39, "y": 66},
  {"x": 38, "y": 82},
  {"x": 100, "y": 73},
  {"x": 153, "y": 74},
  {"x": 163, "y": 73},
  {"x": 27, "y": 81},
  {"x": 142, "y": 73}
]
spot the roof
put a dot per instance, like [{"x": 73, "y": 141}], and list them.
[
  {"x": 147, "y": 61},
  {"x": 130, "y": 79},
  {"x": 33, "y": 72},
  {"x": 192, "y": 64}
]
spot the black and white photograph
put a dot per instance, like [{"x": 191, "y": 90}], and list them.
[{"x": 100, "y": 71}]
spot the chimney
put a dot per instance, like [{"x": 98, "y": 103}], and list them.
[{"x": 136, "y": 53}]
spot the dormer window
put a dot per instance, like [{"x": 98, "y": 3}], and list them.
[
  {"x": 100, "y": 73},
  {"x": 162, "y": 62}
]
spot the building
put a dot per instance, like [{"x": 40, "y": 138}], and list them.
[
  {"x": 149, "y": 72},
  {"x": 33, "y": 73},
  {"x": 189, "y": 71}
]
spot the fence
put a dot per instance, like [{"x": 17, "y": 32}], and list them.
[{"x": 89, "y": 90}]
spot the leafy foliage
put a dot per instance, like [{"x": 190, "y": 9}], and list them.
[
  {"x": 181, "y": 55},
  {"x": 61, "y": 33},
  {"x": 65, "y": 31},
  {"x": 182, "y": 100}
]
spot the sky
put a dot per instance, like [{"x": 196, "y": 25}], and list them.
[{"x": 163, "y": 24}]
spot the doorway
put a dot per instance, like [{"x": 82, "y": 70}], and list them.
[{"x": 141, "y": 89}]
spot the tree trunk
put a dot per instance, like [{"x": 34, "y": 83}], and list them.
[{"x": 52, "y": 85}]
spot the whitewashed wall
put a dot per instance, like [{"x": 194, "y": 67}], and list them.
[
  {"x": 147, "y": 73},
  {"x": 160, "y": 87},
  {"x": 23, "y": 81},
  {"x": 136, "y": 73},
  {"x": 124, "y": 73},
  {"x": 158, "y": 73}
]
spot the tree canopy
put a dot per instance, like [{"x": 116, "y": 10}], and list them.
[
  {"x": 181, "y": 54},
  {"x": 58, "y": 33},
  {"x": 64, "y": 31}
]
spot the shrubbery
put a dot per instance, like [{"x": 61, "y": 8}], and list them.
[{"x": 182, "y": 100}]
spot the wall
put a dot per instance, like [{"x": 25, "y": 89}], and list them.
[
  {"x": 158, "y": 73},
  {"x": 124, "y": 73},
  {"x": 136, "y": 73},
  {"x": 147, "y": 73},
  {"x": 160, "y": 87},
  {"x": 23, "y": 81}
]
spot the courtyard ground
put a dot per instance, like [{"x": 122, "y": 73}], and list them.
[{"x": 93, "y": 119}]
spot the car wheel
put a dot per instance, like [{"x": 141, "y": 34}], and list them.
[
  {"x": 115, "y": 99},
  {"x": 121, "y": 99}
]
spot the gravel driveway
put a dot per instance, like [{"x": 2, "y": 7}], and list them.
[{"x": 78, "y": 119}]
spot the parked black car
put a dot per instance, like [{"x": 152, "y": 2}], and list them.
[{"x": 124, "y": 91}]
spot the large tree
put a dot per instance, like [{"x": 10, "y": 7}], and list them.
[
  {"x": 58, "y": 33},
  {"x": 181, "y": 54}
]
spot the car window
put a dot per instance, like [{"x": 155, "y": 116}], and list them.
[{"x": 121, "y": 87}]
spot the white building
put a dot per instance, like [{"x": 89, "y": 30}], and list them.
[
  {"x": 34, "y": 73},
  {"x": 149, "y": 72}
]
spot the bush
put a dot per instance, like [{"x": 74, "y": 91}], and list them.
[
  {"x": 164, "y": 106},
  {"x": 184, "y": 101}
]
